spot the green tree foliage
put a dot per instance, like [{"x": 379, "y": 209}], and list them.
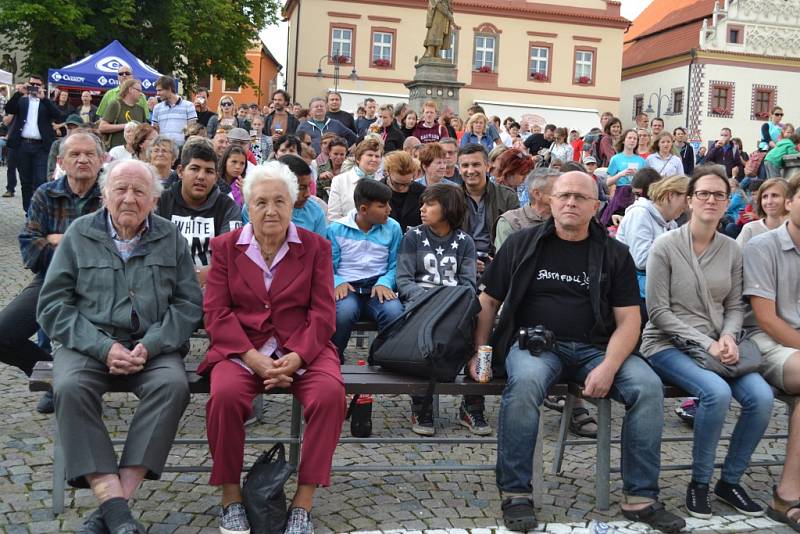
[{"x": 191, "y": 38}]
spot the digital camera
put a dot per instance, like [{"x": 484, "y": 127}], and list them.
[{"x": 536, "y": 339}]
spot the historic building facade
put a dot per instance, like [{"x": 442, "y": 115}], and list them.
[
  {"x": 556, "y": 62},
  {"x": 710, "y": 64},
  {"x": 264, "y": 69}
]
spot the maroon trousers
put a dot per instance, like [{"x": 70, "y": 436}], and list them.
[{"x": 233, "y": 389}]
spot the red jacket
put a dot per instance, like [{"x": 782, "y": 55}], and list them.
[{"x": 299, "y": 309}]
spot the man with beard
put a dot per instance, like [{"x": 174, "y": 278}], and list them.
[{"x": 196, "y": 206}]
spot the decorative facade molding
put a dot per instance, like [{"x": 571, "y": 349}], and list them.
[{"x": 696, "y": 100}]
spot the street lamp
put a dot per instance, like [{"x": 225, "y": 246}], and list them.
[
  {"x": 659, "y": 96},
  {"x": 337, "y": 61}
]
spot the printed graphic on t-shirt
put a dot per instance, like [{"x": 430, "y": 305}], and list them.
[
  {"x": 441, "y": 265},
  {"x": 579, "y": 279},
  {"x": 198, "y": 232}
]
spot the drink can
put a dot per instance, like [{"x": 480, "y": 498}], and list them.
[{"x": 484, "y": 363}]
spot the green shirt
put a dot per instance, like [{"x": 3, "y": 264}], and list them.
[
  {"x": 121, "y": 113},
  {"x": 112, "y": 95}
]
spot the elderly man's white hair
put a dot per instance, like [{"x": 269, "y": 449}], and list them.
[
  {"x": 111, "y": 170},
  {"x": 272, "y": 170}
]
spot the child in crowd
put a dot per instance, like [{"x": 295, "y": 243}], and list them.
[
  {"x": 436, "y": 253},
  {"x": 365, "y": 244},
  {"x": 232, "y": 168}
]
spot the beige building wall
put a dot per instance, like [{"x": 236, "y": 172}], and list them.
[{"x": 509, "y": 83}]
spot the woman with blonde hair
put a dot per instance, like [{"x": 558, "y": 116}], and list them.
[
  {"x": 662, "y": 158},
  {"x": 649, "y": 217},
  {"x": 477, "y": 131},
  {"x": 226, "y": 116},
  {"x": 770, "y": 206}
]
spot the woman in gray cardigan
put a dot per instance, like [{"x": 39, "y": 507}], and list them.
[{"x": 694, "y": 296}]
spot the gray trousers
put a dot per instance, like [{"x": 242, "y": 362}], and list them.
[{"x": 79, "y": 382}]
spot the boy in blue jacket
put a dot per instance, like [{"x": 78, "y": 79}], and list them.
[{"x": 365, "y": 244}]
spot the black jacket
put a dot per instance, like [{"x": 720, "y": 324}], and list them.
[
  {"x": 290, "y": 128},
  {"x": 407, "y": 214},
  {"x": 48, "y": 114},
  {"x": 687, "y": 157},
  {"x": 607, "y": 257},
  {"x": 343, "y": 117},
  {"x": 394, "y": 139}
]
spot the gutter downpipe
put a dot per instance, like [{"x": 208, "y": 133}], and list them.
[{"x": 693, "y": 53}]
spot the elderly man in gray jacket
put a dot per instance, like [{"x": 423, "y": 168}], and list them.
[{"x": 121, "y": 299}]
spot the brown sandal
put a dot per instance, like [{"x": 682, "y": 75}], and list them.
[{"x": 785, "y": 515}]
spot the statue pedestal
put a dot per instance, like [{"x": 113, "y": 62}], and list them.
[{"x": 435, "y": 80}]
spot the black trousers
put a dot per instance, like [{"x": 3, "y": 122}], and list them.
[{"x": 17, "y": 325}]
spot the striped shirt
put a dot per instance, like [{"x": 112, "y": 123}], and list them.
[{"x": 171, "y": 120}]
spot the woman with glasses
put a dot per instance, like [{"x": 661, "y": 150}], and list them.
[
  {"x": 226, "y": 115},
  {"x": 694, "y": 299},
  {"x": 122, "y": 111},
  {"x": 399, "y": 169},
  {"x": 161, "y": 154},
  {"x": 771, "y": 130},
  {"x": 644, "y": 142}
]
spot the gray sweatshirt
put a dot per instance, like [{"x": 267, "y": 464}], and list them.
[
  {"x": 642, "y": 224},
  {"x": 426, "y": 260},
  {"x": 692, "y": 300}
]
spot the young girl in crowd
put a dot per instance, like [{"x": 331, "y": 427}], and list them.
[
  {"x": 232, "y": 168},
  {"x": 644, "y": 142},
  {"x": 661, "y": 157},
  {"x": 437, "y": 253},
  {"x": 694, "y": 300},
  {"x": 409, "y": 123},
  {"x": 625, "y": 163}
]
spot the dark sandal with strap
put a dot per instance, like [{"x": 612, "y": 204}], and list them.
[
  {"x": 555, "y": 402},
  {"x": 657, "y": 517},
  {"x": 518, "y": 514},
  {"x": 786, "y": 517},
  {"x": 581, "y": 418}
]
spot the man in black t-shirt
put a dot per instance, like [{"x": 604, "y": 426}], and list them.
[
  {"x": 538, "y": 141},
  {"x": 570, "y": 277},
  {"x": 335, "y": 111}
]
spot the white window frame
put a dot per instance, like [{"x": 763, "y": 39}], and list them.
[
  {"x": 341, "y": 41},
  {"x": 482, "y": 50},
  {"x": 584, "y": 60},
  {"x": 539, "y": 60},
  {"x": 384, "y": 49}
]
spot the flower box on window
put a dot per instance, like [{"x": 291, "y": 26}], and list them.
[
  {"x": 381, "y": 63},
  {"x": 584, "y": 80},
  {"x": 762, "y": 115},
  {"x": 719, "y": 111},
  {"x": 539, "y": 76},
  {"x": 485, "y": 69},
  {"x": 340, "y": 59}
]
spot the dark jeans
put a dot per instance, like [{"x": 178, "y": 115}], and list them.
[
  {"x": 11, "y": 171},
  {"x": 17, "y": 325},
  {"x": 32, "y": 167}
]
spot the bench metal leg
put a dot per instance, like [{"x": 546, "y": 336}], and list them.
[
  {"x": 296, "y": 431},
  {"x": 59, "y": 475},
  {"x": 603, "y": 462},
  {"x": 538, "y": 466},
  {"x": 258, "y": 407},
  {"x": 563, "y": 432}
]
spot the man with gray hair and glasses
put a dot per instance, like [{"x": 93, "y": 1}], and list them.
[
  {"x": 54, "y": 207},
  {"x": 121, "y": 298}
]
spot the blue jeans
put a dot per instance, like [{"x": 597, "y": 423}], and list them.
[
  {"x": 351, "y": 308},
  {"x": 529, "y": 378},
  {"x": 715, "y": 392}
]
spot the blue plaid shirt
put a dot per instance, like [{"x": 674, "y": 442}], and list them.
[{"x": 53, "y": 208}]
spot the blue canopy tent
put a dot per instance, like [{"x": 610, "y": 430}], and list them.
[{"x": 99, "y": 70}]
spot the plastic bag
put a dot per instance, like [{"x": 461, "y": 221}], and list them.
[{"x": 262, "y": 494}]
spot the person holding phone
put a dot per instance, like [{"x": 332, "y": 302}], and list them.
[{"x": 31, "y": 133}]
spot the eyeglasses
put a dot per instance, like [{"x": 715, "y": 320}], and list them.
[
  {"x": 565, "y": 196},
  {"x": 137, "y": 88},
  {"x": 226, "y": 104},
  {"x": 719, "y": 196},
  {"x": 124, "y": 74}
]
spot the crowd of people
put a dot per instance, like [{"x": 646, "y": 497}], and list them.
[{"x": 278, "y": 229}]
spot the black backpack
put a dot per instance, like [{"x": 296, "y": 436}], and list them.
[{"x": 433, "y": 338}]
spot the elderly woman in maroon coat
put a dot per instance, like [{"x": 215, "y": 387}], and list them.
[{"x": 270, "y": 315}]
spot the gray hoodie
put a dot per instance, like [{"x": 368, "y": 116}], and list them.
[{"x": 642, "y": 224}]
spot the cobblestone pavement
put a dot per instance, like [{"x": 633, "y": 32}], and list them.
[{"x": 366, "y": 501}]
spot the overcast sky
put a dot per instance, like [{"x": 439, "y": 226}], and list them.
[{"x": 275, "y": 36}]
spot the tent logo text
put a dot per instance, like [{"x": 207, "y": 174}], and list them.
[
  {"x": 110, "y": 64},
  {"x": 57, "y": 77}
]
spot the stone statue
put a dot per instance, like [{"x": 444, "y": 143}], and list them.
[{"x": 440, "y": 24}]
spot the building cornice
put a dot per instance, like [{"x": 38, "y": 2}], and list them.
[{"x": 713, "y": 57}]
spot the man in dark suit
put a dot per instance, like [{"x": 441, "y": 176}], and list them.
[{"x": 31, "y": 134}]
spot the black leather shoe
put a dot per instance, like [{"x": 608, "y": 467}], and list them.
[
  {"x": 46, "y": 404},
  {"x": 94, "y": 524}
]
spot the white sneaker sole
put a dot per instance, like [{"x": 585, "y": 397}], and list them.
[{"x": 226, "y": 531}]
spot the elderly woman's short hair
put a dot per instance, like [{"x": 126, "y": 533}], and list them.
[
  {"x": 99, "y": 147},
  {"x": 162, "y": 140},
  {"x": 130, "y": 126},
  {"x": 272, "y": 170},
  {"x": 152, "y": 173}
]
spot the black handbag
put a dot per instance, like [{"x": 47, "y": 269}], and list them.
[
  {"x": 749, "y": 359},
  {"x": 262, "y": 494}
]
